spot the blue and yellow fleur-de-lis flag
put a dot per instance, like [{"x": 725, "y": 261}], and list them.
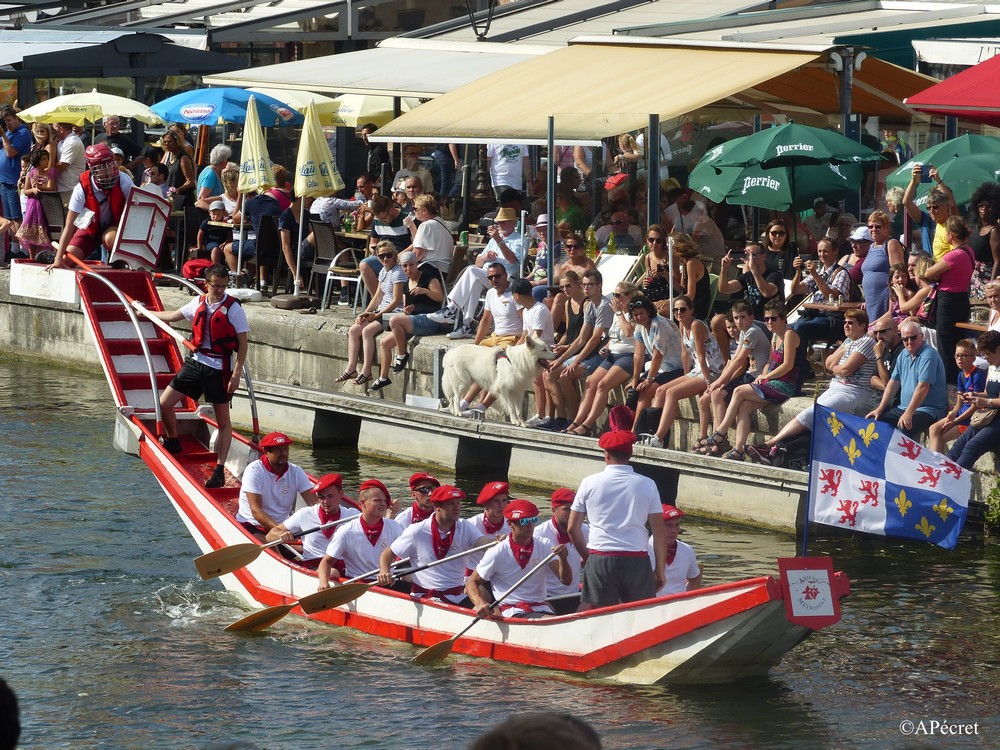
[{"x": 868, "y": 476}]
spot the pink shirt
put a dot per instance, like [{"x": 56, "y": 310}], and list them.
[{"x": 957, "y": 278}]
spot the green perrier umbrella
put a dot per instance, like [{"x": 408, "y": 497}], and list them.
[
  {"x": 964, "y": 163},
  {"x": 795, "y": 145}
]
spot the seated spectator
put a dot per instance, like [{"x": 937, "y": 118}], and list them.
[
  {"x": 268, "y": 203},
  {"x": 710, "y": 241},
  {"x": 627, "y": 235},
  {"x": 582, "y": 356},
  {"x": 919, "y": 378},
  {"x": 977, "y": 441},
  {"x": 329, "y": 491},
  {"x": 683, "y": 214},
  {"x": 215, "y": 234},
  {"x": 388, "y": 226},
  {"x": 388, "y": 298},
  {"x": 499, "y": 327},
  {"x": 694, "y": 281},
  {"x": 568, "y": 211},
  {"x": 576, "y": 260},
  {"x": 539, "y": 277},
  {"x": 888, "y": 346},
  {"x": 774, "y": 386},
  {"x": 702, "y": 362},
  {"x": 413, "y": 187},
  {"x": 423, "y": 294},
  {"x": 818, "y": 224},
  {"x": 616, "y": 367},
  {"x": 656, "y": 279},
  {"x": 779, "y": 250},
  {"x": 570, "y": 290},
  {"x": 682, "y": 569},
  {"x": 756, "y": 285},
  {"x": 657, "y": 339},
  {"x": 825, "y": 282},
  {"x": 210, "y": 188},
  {"x": 903, "y": 301},
  {"x": 149, "y": 156},
  {"x": 505, "y": 248},
  {"x": 857, "y": 243},
  {"x": 993, "y": 300},
  {"x": 432, "y": 240},
  {"x": 970, "y": 380},
  {"x": 852, "y": 365},
  {"x": 158, "y": 179},
  {"x": 411, "y": 168},
  {"x": 536, "y": 321},
  {"x": 746, "y": 363}
]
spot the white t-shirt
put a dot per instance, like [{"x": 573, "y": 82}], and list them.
[
  {"x": 618, "y": 502},
  {"x": 237, "y": 317},
  {"x": 436, "y": 241},
  {"x": 315, "y": 544},
  {"x": 405, "y": 518},
  {"x": 684, "y": 566},
  {"x": 506, "y": 318},
  {"x": 537, "y": 317},
  {"x": 415, "y": 543},
  {"x": 352, "y": 545},
  {"x": 506, "y": 164},
  {"x": 277, "y": 493},
  {"x": 687, "y": 222},
  {"x": 77, "y": 201},
  {"x": 548, "y": 532},
  {"x": 472, "y": 560},
  {"x": 500, "y": 567},
  {"x": 70, "y": 151}
]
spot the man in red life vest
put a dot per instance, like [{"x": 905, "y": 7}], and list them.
[
  {"x": 219, "y": 329},
  {"x": 505, "y": 564},
  {"x": 564, "y": 598},
  {"x": 422, "y": 485},
  {"x": 444, "y": 534},
  {"x": 95, "y": 206},
  {"x": 329, "y": 491}
]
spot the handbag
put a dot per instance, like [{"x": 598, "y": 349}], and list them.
[
  {"x": 982, "y": 418},
  {"x": 927, "y": 314}
]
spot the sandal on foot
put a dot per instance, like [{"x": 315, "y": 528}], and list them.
[
  {"x": 700, "y": 444},
  {"x": 733, "y": 455},
  {"x": 400, "y": 362},
  {"x": 379, "y": 384},
  {"x": 362, "y": 379},
  {"x": 716, "y": 450},
  {"x": 570, "y": 428},
  {"x": 582, "y": 430},
  {"x": 345, "y": 376}
]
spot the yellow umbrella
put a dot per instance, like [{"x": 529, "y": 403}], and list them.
[
  {"x": 354, "y": 110},
  {"x": 88, "y": 107},
  {"x": 255, "y": 165},
  {"x": 316, "y": 173}
]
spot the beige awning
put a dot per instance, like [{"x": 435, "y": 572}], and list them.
[{"x": 594, "y": 90}]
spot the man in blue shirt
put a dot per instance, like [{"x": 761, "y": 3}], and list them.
[
  {"x": 16, "y": 141},
  {"x": 923, "y": 389}
]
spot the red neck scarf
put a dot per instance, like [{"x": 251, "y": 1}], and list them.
[
  {"x": 325, "y": 518},
  {"x": 374, "y": 531},
  {"x": 490, "y": 527},
  {"x": 441, "y": 540},
  {"x": 521, "y": 554},
  {"x": 671, "y": 553},
  {"x": 267, "y": 465},
  {"x": 417, "y": 515},
  {"x": 561, "y": 536}
]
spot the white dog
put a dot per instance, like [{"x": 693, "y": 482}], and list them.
[{"x": 505, "y": 374}]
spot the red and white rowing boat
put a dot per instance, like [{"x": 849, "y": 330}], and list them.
[{"x": 712, "y": 635}]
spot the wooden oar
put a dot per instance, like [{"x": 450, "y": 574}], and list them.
[
  {"x": 221, "y": 561},
  {"x": 310, "y": 604},
  {"x": 440, "y": 650}
]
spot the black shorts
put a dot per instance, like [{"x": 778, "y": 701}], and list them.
[{"x": 196, "y": 379}]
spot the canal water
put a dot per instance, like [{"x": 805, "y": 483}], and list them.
[{"x": 112, "y": 641}]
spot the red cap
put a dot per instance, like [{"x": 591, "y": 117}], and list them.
[
  {"x": 423, "y": 476},
  {"x": 445, "y": 493},
  {"x": 274, "y": 439},
  {"x": 517, "y": 509},
  {"x": 617, "y": 440},
  {"x": 491, "y": 490},
  {"x": 670, "y": 511},
  {"x": 328, "y": 480},
  {"x": 563, "y": 496},
  {"x": 369, "y": 483}
]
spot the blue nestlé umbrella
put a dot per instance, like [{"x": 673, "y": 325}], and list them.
[{"x": 208, "y": 106}]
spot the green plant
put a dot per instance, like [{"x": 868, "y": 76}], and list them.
[{"x": 991, "y": 511}]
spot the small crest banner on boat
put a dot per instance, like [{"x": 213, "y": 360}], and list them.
[
  {"x": 807, "y": 587},
  {"x": 868, "y": 476}
]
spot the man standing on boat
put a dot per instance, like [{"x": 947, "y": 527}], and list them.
[
  {"x": 269, "y": 487},
  {"x": 219, "y": 329},
  {"x": 618, "y": 503},
  {"x": 422, "y": 485},
  {"x": 505, "y": 564},
  {"x": 328, "y": 509},
  {"x": 357, "y": 547},
  {"x": 564, "y": 597},
  {"x": 444, "y": 533}
]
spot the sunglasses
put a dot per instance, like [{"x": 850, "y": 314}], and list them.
[
  {"x": 425, "y": 490},
  {"x": 910, "y": 338},
  {"x": 771, "y": 318},
  {"x": 850, "y": 322},
  {"x": 636, "y": 305},
  {"x": 523, "y": 521},
  {"x": 679, "y": 310},
  {"x": 384, "y": 256},
  {"x": 572, "y": 245},
  {"x": 933, "y": 208},
  {"x": 616, "y": 295},
  {"x": 873, "y": 227},
  {"x": 777, "y": 234},
  {"x": 618, "y": 221},
  {"x": 654, "y": 240},
  {"x": 495, "y": 277}
]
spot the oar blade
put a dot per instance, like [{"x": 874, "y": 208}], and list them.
[
  {"x": 435, "y": 653},
  {"x": 261, "y": 619},
  {"x": 333, "y": 597},
  {"x": 226, "y": 560}
]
